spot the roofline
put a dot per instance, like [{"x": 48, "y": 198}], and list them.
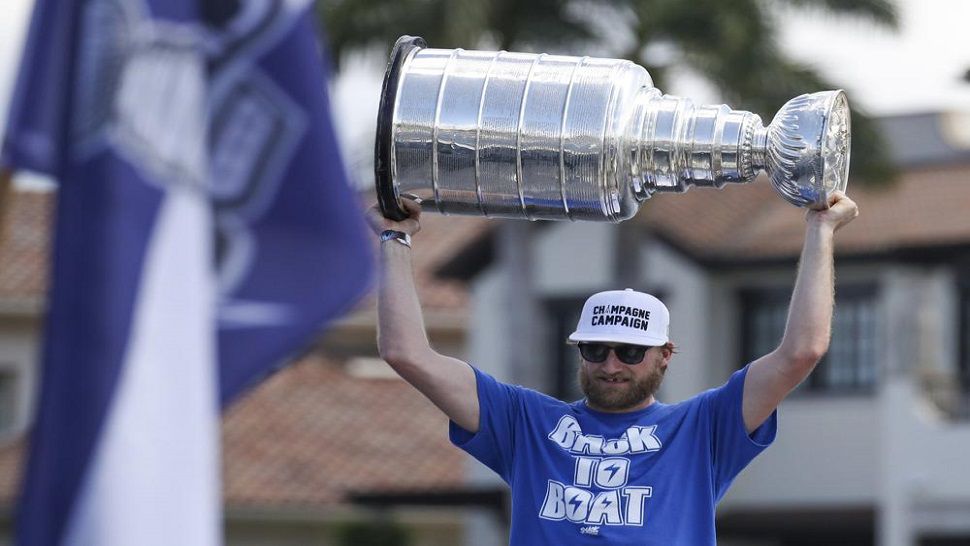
[
  {"x": 22, "y": 307},
  {"x": 495, "y": 499},
  {"x": 453, "y": 321},
  {"x": 916, "y": 254},
  {"x": 479, "y": 254}
]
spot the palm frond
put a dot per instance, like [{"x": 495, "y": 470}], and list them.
[{"x": 882, "y": 12}]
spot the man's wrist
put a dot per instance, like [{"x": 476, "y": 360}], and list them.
[
  {"x": 397, "y": 236},
  {"x": 821, "y": 226}
]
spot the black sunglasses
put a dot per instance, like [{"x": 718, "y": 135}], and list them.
[{"x": 627, "y": 354}]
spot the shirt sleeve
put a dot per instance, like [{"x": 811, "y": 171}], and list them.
[
  {"x": 493, "y": 444},
  {"x": 733, "y": 448}
]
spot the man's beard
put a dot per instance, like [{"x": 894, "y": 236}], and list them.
[{"x": 622, "y": 396}]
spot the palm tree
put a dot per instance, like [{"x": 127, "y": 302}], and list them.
[
  {"x": 502, "y": 24},
  {"x": 731, "y": 43}
]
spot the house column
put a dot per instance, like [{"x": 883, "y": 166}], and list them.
[{"x": 912, "y": 344}]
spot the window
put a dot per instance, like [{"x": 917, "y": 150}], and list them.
[
  {"x": 563, "y": 315},
  {"x": 965, "y": 338},
  {"x": 849, "y": 366},
  {"x": 8, "y": 400}
]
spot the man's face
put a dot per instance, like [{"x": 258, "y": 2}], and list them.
[{"x": 613, "y": 386}]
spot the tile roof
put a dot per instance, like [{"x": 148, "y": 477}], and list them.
[
  {"x": 11, "y": 457},
  {"x": 926, "y": 208},
  {"x": 27, "y": 232},
  {"x": 445, "y": 236},
  {"x": 312, "y": 434},
  {"x": 23, "y": 254}
]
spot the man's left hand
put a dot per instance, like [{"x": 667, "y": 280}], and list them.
[{"x": 841, "y": 210}]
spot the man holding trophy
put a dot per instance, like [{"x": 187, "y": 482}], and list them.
[{"x": 536, "y": 136}]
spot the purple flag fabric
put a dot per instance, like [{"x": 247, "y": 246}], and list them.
[{"x": 205, "y": 231}]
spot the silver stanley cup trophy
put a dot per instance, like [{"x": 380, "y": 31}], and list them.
[{"x": 518, "y": 135}]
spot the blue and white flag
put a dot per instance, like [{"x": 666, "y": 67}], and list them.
[{"x": 204, "y": 232}]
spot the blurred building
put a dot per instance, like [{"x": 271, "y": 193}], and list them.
[
  {"x": 312, "y": 454},
  {"x": 871, "y": 449}
]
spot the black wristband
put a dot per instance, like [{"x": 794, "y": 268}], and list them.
[{"x": 399, "y": 236}]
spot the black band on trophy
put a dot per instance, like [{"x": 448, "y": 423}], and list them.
[{"x": 386, "y": 196}]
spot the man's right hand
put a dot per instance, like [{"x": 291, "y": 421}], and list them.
[{"x": 409, "y": 225}]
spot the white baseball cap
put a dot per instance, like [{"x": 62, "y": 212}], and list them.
[{"x": 623, "y": 316}]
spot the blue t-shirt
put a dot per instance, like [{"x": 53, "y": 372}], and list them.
[{"x": 579, "y": 476}]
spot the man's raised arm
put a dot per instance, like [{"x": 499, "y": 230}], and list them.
[
  {"x": 809, "y": 326},
  {"x": 401, "y": 337}
]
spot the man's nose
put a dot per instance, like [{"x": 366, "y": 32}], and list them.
[{"x": 612, "y": 364}]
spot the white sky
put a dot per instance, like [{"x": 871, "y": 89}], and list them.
[
  {"x": 13, "y": 20},
  {"x": 916, "y": 69}
]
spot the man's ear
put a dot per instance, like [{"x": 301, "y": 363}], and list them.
[{"x": 667, "y": 353}]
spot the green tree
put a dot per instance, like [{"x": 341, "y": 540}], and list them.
[{"x": 731, "y": 43}]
